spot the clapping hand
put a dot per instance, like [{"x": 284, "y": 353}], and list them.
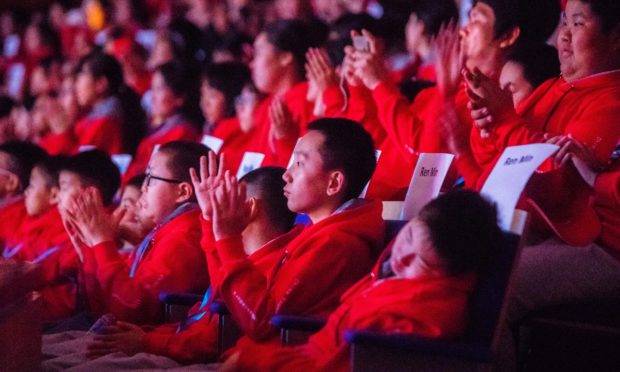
[{"x": 211, "y": 176}]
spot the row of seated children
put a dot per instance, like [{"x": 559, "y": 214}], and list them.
[
  {"x": 467, "y": 114},
  {"x": 258, "y": 264}
]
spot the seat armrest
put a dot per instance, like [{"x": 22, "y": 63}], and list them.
[
  {"x": 219, "y": 307},
  {"x": 186, "y": 299},
  {"x": 298, "y": 323},
  {"x": 420, "y": 344}
]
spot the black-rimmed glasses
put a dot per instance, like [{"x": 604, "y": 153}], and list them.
[{"x": 149, "y": 176}]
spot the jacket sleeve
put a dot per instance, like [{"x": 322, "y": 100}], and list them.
[
  {"x": 197, "y": 343},
  {"x": 310, "y": 281},
  {"x": 170, "y": 266}
]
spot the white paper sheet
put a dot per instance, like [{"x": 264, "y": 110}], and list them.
[
  {"x": 250, "y": 161},
  {"x": 428, "y": 176},
  {"x": 122, "y": 161},
  {"x": 510, "y": 175},
  {"x": 211, "y": 142}
]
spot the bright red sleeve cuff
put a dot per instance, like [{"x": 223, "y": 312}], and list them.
[{"x": 231, "y": 249}]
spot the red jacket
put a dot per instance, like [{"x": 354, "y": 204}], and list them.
[
  {"x": 101, "y": 128},
  {"x": 176, "y": 128},
  {"x": 433, "y": 307},
  {"x": 311, "y": 275},
  {"x": 414, "y": 128},
  {"x": 236, "y": 142},
  {"x": 279, "y": 152},
  {"x": 12, "y": 214},
  {"x": 199, "y": 341},
  {"x": 386, "y": 184},
  {"x": 173, "y": 263},
  {"x": 44, "y": 240}
]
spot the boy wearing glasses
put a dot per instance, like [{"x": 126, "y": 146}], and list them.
[{"x": 169, "y": 259}]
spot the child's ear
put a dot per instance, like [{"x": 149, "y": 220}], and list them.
[
  {"x": 254, "y": 207},
  {"x": 54, "y": 195},
  {"x": 185, "y": 192},
  {"x": 336, "y": 183}
]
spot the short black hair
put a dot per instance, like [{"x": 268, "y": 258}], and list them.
[
  {"x": 340, "y": 33},
  {"x": 347, "y": 146},
  {"x": 463, "y": 229},
  {"x": 23, "y": 156},
  {"x": 50, "y": 167},
  {"x": 95, "y": 168},
  {"x": 294, "y": 36},
  {"x": 182, "y": 156},
  {"x": 228, "y": 78},
  {"x": 434, "y": 13},
  {"x": 102, "y": 65},
  {"x": 607, "y": 11},
  {"x": 537, "y": 19},
  {"x": 267, "y": 184},
  {"x": 539, "y": 62},
  {"x": 136, "y": 181}
]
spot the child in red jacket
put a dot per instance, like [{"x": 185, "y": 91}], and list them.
[
  {"x": 16, "y": 161},
  {"x": 421, "y": 285},
  {"x": 333, "y": 161},
  {"x": 169, "y": 258},
  {"x": 44, "y": 240},
  {"x": 192, "y": 340}
]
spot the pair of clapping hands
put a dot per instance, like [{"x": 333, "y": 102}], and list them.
[{"x": 221, "y": 197}]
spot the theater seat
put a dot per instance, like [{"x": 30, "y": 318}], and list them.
[
  {"x": 227, "y": 331},
  {"x": 176, "y": 305}
]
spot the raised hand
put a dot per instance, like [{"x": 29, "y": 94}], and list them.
[
  {"x": 231, "y": 211},
  {"x": 319, "y": 69},
  {"x": 89, "y": 217},
  {"x": 282, "y": 123},
  {"x": 489, "y": 102},
  {"x": 347, "y": 68},
  {"x": 211, "y": 176},
  {"x": 369, "y": 65},
  {"x": 450, "y": 59}
]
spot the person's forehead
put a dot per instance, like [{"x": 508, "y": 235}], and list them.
[{"x": 311, "y": 142}]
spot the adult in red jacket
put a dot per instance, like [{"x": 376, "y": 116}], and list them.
[
  {"x": 438, "y": 120},
  {"x": 581, "y": 107},
  {"x": 333, "y": 161},
  {"x": 420, "y": 285},
  {"x": 167, "y": 260}
]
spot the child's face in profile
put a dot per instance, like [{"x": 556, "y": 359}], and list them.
[
  {"x": 160, "y": 192},
  {"x": 513, "y": 79},
  {"x": 413, "y": 254},
  {"x": 40, "y": 196}
]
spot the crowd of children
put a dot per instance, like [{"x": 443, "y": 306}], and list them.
[{"x": 112, "y": 112}]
